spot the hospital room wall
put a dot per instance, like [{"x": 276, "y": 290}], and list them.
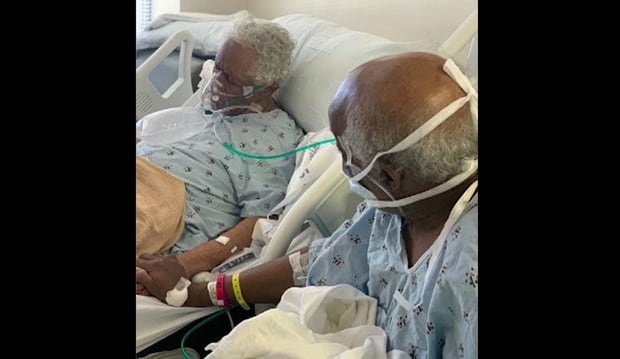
[
  {"x": 427, "y": 19},
  {"x": 164, "y": 7},
  {"x": 211, "y": 6}
]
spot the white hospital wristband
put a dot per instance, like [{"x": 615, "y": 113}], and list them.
[
  {"x": 299, "y": 263},
  {"x": 177, "y": 296},
  {"x": 212, "y": 294}
]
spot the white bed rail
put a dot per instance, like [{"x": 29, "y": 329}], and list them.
[
  {"x": 462, "y": 36},
  {"x": 325, "y": 205},
  {"x": 148, "y": 98}
]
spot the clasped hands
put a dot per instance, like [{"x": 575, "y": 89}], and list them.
[{"x": 157, "y": 274}]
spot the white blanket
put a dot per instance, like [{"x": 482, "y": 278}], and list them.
[
  {"x": 165, "y": 19},
  {"x": 209, "y": 31},
  {"x": 310, "y": 322}
]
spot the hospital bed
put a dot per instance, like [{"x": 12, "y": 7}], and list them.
[{"x": 328, "y": 46}]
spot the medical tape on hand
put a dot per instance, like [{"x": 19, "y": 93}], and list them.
[
  {"x": 177, "y": 296},
  {"x": 299, "y": 263}
]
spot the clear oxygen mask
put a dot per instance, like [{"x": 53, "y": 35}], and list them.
[{"x": 214, "y": 98}]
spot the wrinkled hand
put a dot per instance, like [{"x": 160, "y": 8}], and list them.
[
  {"x": 159, "y": 275},
  {"x": 140, "y": 290}
]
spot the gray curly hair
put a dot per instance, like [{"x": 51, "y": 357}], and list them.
[{"x": 273, "y": 45}]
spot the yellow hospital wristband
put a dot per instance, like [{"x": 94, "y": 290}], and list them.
[{"x": 237, "y": 291}]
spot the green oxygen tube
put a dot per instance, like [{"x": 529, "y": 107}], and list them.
[{"x": 236, "y": 152}]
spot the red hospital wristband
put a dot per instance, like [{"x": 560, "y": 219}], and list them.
[{"x": 220, "y": 290}]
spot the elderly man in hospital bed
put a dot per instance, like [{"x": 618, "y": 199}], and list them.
[
  {"x": 191, "y": 188},
  {"x": 406, "y": 127}
]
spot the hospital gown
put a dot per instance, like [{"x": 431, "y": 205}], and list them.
[
  {"x": 367, "y": 252},
  {"x": 222, "y": 188}
]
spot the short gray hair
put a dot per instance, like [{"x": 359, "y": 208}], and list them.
[
  {"x": 273, "y": 45},
  {"x": 436, "y": 157}
]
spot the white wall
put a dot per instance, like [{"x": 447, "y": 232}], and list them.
[
  {"x": 215, "y": 6},
  {"x": 165, "y": 7},
  {"x": 400, "y": 20}
]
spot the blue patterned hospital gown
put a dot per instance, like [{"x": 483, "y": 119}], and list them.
[
  {"x": 367, "y": 252},
  {"x": 222, "y": 188}
]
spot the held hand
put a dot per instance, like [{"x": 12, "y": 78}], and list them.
[
  {"x": 140, "y": 289},
  {"x": 159, "y": 275}
]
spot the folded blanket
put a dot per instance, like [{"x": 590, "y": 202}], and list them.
[
  {"x": 208, "y": 31},
  {"x": 160, "y": 204},
  {"x": 165, "y": 19}
]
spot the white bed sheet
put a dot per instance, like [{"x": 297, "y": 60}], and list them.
[{"x": 156, "y": 320}]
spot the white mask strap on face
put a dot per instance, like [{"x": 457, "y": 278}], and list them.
[
  {"x": 416, "y": 135},
  {"x": 452, "y": 182},
  {"x": 247, "y": 90},
  {"x": 455, "y": 73},
  {"x": 218, "y": 87},
  {"x": 223, "y": 110}
]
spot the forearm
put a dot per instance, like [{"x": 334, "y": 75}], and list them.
[
  {"x": 211, "y": 253},
  {"x": 262, "y": 284}
]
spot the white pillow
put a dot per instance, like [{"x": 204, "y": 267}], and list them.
[{"x": 324, "y": 54}]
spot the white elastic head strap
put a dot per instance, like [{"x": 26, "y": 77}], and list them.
[
  {"x": 456, "y": 74},
  {"x": 247, "y": 90},
  {"x": 452, "y": 182}
]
